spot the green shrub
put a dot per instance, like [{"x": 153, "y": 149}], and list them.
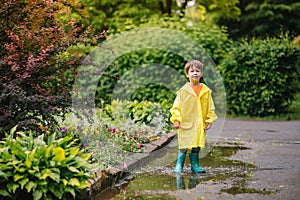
[
  {"x": 120, "y": 128},
  {"x": 141, "y": 112},
  {"x": 212, "y": 38},
  {"x": 34, "y": 169},
  {"x": 260, "y": 76}
]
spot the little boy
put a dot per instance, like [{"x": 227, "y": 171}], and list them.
[{"x": 193, "y": 112}]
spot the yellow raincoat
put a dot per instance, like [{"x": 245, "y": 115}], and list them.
[{"x": 192, "y": 112}]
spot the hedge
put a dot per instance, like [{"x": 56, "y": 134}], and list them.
[{"x": 261, "y": 76}]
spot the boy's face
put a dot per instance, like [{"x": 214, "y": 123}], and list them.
[{"x": 194, "y": 74}]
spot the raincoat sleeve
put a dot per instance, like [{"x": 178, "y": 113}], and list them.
[
  {"x": 176, "y": 110},
  {"x": 211, "y": 115}
]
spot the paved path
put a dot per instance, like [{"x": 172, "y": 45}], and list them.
[{"x": 274, "y": 149}]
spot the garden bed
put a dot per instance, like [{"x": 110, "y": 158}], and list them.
[{"x": 112, "y": 176}]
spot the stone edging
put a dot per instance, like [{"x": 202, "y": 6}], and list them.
[{"x": 109, "y": 177}]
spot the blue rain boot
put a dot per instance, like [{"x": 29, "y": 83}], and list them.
[
  {"x": 180, "y": 160},
  {"x": 194, "y": 158}
]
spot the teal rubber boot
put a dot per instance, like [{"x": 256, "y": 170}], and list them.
[
  {"x": 195, "y": 167},
  {"x": 180, "y": 181},
  {"x": 180, "y": 161}
]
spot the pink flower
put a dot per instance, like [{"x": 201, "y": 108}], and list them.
[
  {"x": 138, "y": 145},
  {"x": 125, "y": 167},
  {"x": 63, "y": 129},
  {"x": 114, "y": 130}
]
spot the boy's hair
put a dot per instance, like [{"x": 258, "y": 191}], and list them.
[{"x": 195, "y": 63}]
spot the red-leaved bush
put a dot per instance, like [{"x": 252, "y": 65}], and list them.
[{"x": 32, "y": 74}]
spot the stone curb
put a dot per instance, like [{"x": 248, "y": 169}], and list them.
[{"x": 109, "y": 177}]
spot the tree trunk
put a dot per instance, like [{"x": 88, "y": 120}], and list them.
[{"x": 183, "y": 7}]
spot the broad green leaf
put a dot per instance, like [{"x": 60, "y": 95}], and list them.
[
  {"x": 29, "y": 186},
  {"x": 28, "y": 163},
  {"x": 31, "y": 154},
  {"x": 41, "y": 182},
  {"x": 65, "y": 182},
  {"x": 37, "y": 194},
  {"x": 22, "y": 169},
  {"x": 56, "y": 170},
  {"x": 3, "y": 175},
  {"x": 47, "y": 152},
  {"x": 52, "y": 163},
  {"x": 18, "y": 177},
  {"x": 51, "y": 139},
  {"x": 12, "y": 187},
  {"x": 58, "y": 193},
  {"x": 32, "y": 171},
  {"x": 64, "y": 140},
  {"x": 14, "y": 163},
  {"x": 55, "y": 177},
  {"x": 4, "y": 149},
  {"x": 74, "y": 151},
  {"x": 73, "y": 169},
  {"x": 13, "y": 130},
  {"x": 4, "y": 193},
  {"x": 59, "y": 154},
  {"x": 84, "y": 184},
  {"x": 45, "y": 173},
  {"x": 70, "y": 190},
  {"x": 86, "y": 156},
  {"x": 23, "y": 182},
  {"x": 74, "y": 182}
]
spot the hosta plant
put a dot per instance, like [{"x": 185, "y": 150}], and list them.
[{"x": 31, "y": 168}]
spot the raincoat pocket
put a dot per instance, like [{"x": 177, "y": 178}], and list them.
[{"x": 186, "y": 125}]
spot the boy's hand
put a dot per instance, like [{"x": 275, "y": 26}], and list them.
[
  {"x": 207, "y": 126},
  {"x": 176, "y": 124}
]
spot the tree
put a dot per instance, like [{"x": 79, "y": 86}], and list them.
[
  {"x": 108, "y": 15},
  {"x": 217, "y": 10},
  {"x": 115, "y": 14},
  {"x": 32, "y": 69},
  {"x": 265, "y": 17}
]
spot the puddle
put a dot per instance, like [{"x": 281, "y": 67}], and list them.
[
  {"x": 157, "y": 180},
  {"x": 240, "y": 190}
]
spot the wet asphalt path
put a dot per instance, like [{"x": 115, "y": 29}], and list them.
[{"x": 274, "y": 147}]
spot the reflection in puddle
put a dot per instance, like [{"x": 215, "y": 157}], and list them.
[
  {"x": 157, "y": 180},
  {"x": 192, "y": 181},
  {"x": 241, "y": 190}
]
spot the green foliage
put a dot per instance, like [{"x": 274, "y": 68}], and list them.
[
  {"x": 109, "y": 15},
  {"x": 140, "y": 111},
  {"x": 31, "y": 168},
  {"x": 213, "y": 39},
  {"x": 261, "y": 76},
  {"x": 120, "y": 128},
  {"x": 114, "y": 15},
  {"x": 97, "y": 138},
  {"x": 32, "y": 70},
  {"x": 220, "y": 9},
  {"x": 140, "y": 120},
  {"x": 265, "y": 18}
]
